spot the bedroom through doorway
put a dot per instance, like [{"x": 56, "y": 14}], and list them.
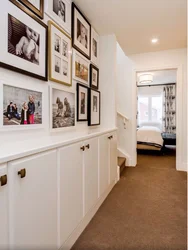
[{"x": 156, "y": 118}]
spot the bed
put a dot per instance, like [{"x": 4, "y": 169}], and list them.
[{"x": 149, "y": 138}]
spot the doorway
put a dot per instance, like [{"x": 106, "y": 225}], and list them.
[{"x": 152, "y": 112}]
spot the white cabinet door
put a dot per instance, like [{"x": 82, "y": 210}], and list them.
[
  {"x": 71, "y": 189},
  {"x": 33, "y": 201},
  {"x": 90, "y": 174},
  {"x": 3, "y": 207},
  {"x": 113, "y": 157},
  {"x": 104, "y": 163}
]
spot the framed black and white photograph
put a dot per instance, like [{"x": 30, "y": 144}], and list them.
[
  {"x": 81, "y": 32},
  {"x": 23, "y": 46},
  {"x": 21, "y": 106},
  {"x": 94, "y": 47},
  {"x": 36, "y": 6},
  {"x": 94, "y": 77},
  {"x": 62, "y": 109},
  {"x": 82, "y": 102},
  {"x": 80, "y": 68},
  {"x": 60, "y": 12},
  {"x": 94, "y": 107},
  {"x": 60, "y": 55}
]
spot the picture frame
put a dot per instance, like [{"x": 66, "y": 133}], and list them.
[
  {"x": 36, "y": 6},
  {"x": 62, "y": 109},
  {"x": 94, "y": 109},
  {"x": 60, "y": 12},
  {"x": 60, "y": 55},
  {"x": 81, "y": 68},
  {"x": 24, "y": 45},
  {"x": 94, "y": 47},
  {"x": 81, "y": 32},
  {"x": 21, "y": 107},
  {"x": 94, "y": 77},
  {"x": 82, "y": 102}
]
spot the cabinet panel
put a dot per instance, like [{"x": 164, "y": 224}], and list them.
[
  {"x": 3, "y": 208},
  {"x": 33, "y": 201},
  {"x": 113, "y": 157},
  {"x": 71, "y": 189},
  {"x": 104, "y": 161},
  {"x": 90, "y": 174}
]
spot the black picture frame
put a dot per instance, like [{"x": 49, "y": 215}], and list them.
[
  {"x": 90, "y": 106},
  {"x": 88, "y": 56},
  {"x": 91, "y": 77},
  {"x": 23, "y": 71},
  {"x": 39, "y": 13},
  {"x": 78, "y": 102}
]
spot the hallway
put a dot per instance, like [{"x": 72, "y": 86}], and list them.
[{"x": 146, "y": 210}]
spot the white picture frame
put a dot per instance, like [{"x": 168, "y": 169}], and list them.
[
  {"x": 94, "y": 47},
  {"x": 58, "y": 118},
  {"x": 81, "y": 68},
  {"x": 18, "y": 25},
  {"x": 51, "y": 9},
  {"x": 19, "y": 98}
]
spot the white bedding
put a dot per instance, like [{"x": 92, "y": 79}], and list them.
[{"x": 150, "y": 136}]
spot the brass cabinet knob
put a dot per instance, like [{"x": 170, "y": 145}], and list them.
[
  {"x": 22, "y": 173},
  {"x": 88, "y": 146},
  {"x": 3, "y": 180},
  {"x": 82, "y": 148}
]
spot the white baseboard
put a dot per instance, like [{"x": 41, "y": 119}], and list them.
[
  {"x": 126, "y": 155},
  {"x": 80, "y": 228},
  {"x": 183, "y": 167}
]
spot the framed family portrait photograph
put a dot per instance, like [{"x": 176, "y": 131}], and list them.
[
  {"x": 80, "y": 68},
  {"x": 60, "y": 55},
  {"x": 94, "y": 77},
  {"x": 81, "y": 32},
  {"x": 62, "y": 109},
  {"x": 94, "y": 47},
  {"x": 36, "y": 6},
  {"x": 82, "y": 102},
  {"x": 94, "y": 107},
  {"x": 21, "y": 106},
  {"x": 23, "y": 46},
  {"x": 60, "y": 12}
]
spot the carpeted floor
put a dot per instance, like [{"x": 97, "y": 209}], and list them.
[{"x": 146, "y": 210}]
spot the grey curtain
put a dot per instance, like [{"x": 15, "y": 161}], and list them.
[{"x": 169, "y": 109}]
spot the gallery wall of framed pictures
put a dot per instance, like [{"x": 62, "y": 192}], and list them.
[{"x": 63, "y": 48}]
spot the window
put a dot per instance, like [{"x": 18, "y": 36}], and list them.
[{"x": 150, "y": 109}]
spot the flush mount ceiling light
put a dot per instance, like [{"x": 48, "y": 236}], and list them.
[
  {"x": 145, "y": 78},
  {"x": 154, "y": 40}
]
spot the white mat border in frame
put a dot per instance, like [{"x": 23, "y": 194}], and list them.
[
  {"x": 74, "y": 52},
  {"x": 19, "y": 127},
  {"x": 65, "y": 89},
  {"x": 95, "y": 35}
]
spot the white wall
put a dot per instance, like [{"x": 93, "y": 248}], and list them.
[
  {"x": 166, "y": 59},
  {"x": 106, "y": 86},
  {"x": 124, "y": 94}
]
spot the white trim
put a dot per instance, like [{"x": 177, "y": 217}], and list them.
[
  {"x": 121, "y": 153},
  {"x": 124, "y": 116},
  {"x": 77, "y": 232},
  {"x": 179, "y": 106}
]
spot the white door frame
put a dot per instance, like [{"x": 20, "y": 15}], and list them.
[{"x": 179, "y": 107}]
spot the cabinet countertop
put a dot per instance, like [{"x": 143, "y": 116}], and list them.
[{"x": 16, "y": 150}]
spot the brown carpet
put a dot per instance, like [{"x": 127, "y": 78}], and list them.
[{"x": 146, "y": 210}]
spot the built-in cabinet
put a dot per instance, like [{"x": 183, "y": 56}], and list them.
[
  {"x": 33, "y": 201},
  {"x": 44, "y": 197},
  {"x": 3, "y": 206}
]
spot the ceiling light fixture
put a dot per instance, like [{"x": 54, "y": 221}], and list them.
[
  {"x": 154, "y": 40},
  {"x": 145, "y": 78}
]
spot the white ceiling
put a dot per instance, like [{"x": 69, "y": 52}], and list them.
[
  {"x": 161, "y": 77},
  {"x": 135, "y": 22}
]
